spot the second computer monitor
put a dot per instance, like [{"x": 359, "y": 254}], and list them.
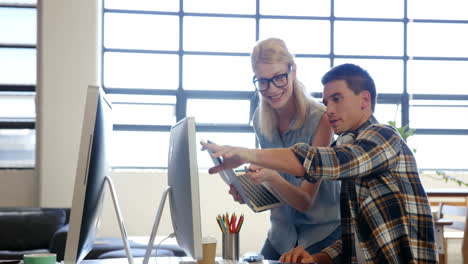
[{"x": 184, "y": 195}]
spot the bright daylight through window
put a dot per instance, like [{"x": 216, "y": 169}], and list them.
[
  {"x": 201, "y": 67},
  {"x": 164, "y": 60},
  {"x": 17, "y": 83}
]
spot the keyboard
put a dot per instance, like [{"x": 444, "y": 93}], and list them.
[
  {"x": 226, "y": 261},
  {"x": 258, "y": 194}
]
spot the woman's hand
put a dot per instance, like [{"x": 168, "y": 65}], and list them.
[
  {"x": 235, "y": 194},
  {"x": 259, "y": 174}
]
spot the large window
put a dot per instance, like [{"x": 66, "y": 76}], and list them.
[
  {"x": 17, "y": 83},
  {"x": 164, "y": 60}
]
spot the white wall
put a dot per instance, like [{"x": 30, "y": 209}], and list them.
[
  {"x": 68, "y": 56},
  {"x": 18, "y": 188}
]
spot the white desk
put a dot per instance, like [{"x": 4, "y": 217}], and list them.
[
  {"x": 153, "y": 260},
  {"x": 144, "y": 240},
  {"x": 161, "y": 260}
]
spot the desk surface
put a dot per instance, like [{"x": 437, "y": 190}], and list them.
[
  {"x": 161, "y": 260},
  {"x": 447, "y": 192},
  {"x": 443, "y": 222}
]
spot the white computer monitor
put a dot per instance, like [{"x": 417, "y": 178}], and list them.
[
  {"x": 184, "y": 196},
  {"x": 183, "y": 191},
  {"x": 91, "y": 172}
]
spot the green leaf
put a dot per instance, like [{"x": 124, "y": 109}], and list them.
[
  {"x": 404, "y": 131},
  {"x": 448, "y": 178}
]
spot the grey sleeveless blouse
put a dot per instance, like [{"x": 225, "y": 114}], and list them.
[{"x": 289, "y": 227}]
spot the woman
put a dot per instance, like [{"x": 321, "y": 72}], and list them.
[{"x": 287, "y": 116}]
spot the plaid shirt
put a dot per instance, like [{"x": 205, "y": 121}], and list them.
[{"x": 381, "y": 196}]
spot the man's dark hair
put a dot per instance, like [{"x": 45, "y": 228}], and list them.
[{"x": 356, "y": 78}]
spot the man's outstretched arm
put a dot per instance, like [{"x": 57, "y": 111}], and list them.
[{"x": 281, "y": 159}]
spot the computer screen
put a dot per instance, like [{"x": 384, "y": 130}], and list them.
[
  {"x": 91, "y": 172},
  {"x": 184, "y": 195}
]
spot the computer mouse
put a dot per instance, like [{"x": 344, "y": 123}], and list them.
[{"x": 252, "y": 257}]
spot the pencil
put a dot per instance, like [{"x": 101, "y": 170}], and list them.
[
  {"x": 226, "y": 221},
  {"x": 239, "y": 225},
  {"x": 242, "y": 170},
  {"x": 219, "y": 224},
  {"x": 233, "y": 223}
]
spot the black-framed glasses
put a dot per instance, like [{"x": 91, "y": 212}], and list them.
[{"x": 279, "y": 80}]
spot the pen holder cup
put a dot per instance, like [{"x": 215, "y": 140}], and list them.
[{"x": 231, "y": 246}]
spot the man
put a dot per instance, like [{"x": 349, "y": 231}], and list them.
[{"x": 385, "y": 214}]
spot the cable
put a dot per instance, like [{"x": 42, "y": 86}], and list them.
[{"x": 156, "y": 248}]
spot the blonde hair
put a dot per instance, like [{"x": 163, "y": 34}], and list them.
[{"x": 273, "y": 51}]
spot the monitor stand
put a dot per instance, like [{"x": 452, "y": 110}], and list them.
[
  {"x": 123, "y": 233},
  {"x": 157, "y": 219}
]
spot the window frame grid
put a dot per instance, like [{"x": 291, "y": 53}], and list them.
[
  {"x": 12, "y": 89},
  {"x": 17, "y": 88},
  {"x": 182, "y": 95}
]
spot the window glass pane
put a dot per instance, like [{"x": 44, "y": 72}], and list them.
[
  {"x": 143, "y": 109},
  {"x": 440, "y": 152},
  {"x": 150, "y": 149},
  {"x": 134, "y": 70},
  {"x": 135, "y": 98},
  {"x": 369, "y": 8},
  {"x": 246, "y": 140},
  {"x": 219, "y": 111},
  {"x": 437, "y": 77},
  {"x": 27, "y": 2},
  {"x": 301, "y": 36},
  {"x": 18, "y": 25},
  {"x": 369, "y": 38},
  {"x": 310, "y": 72},
  {"x": 295, "y": 7},
  {"x": 143, "y": 5},
  {"x": 388, "y": 112},
  {"x": 139, "y": 149},
  {"x": 436, "y": 39},
  {"x": 220, "y": 6},
  {"x": 17, "y": 66},
  {"x": 438, "y": 9},
  {"x": 17, "y": 148},
  {"x": 132, "y": 31},
  {"x": 234, "y": 73},
  {"x": 219, "y": 34},
  {"x": 225, "y": 73},
  {"x": 387, "y": 74},
  {"x": 16, "y": 106},
  {"x": 439, "y": 114}
]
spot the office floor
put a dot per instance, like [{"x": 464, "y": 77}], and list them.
[{"x": 454, "y": 251}]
